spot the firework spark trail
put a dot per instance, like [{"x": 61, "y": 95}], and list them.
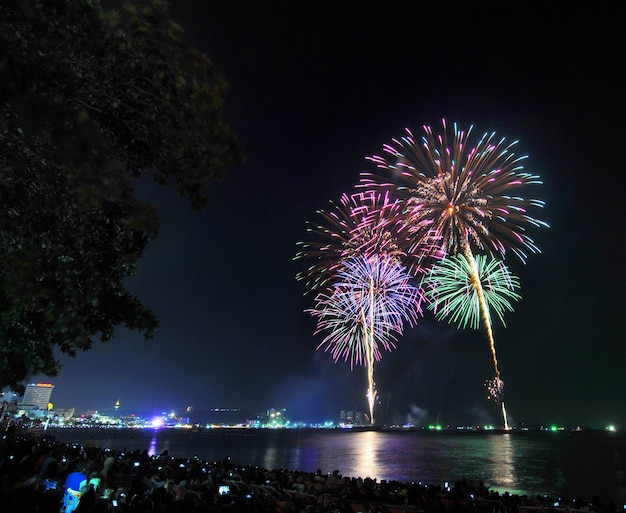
[
  {"x": 364, "y": 293},
  {"x": 458, "y": 280},
  {"x": 371, "y": 391},
  {"x": 475, "y": 278},
  {"x": 452, "y": 294},
  {"x": 465, "y": 289},
  {"x": 458, "y": 196},
  {"x": 365, "y": 310},
  {"x": 468, "y": 287}
]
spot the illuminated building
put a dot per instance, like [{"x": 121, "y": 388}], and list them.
[
  {"x": 38, "y": 394},
  {"x": 351, "y": 417},
  {"x": 277, "y": 418}
]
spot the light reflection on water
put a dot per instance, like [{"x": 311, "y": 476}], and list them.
[
  {"x": 533, "y": 463},
  {"x": 503, "y": 460},
  {"x": 152, "y": 450},
  {"x": 367, "y": 453}
]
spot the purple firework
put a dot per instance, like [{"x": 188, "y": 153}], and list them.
[
  {"x": 366, "y": 308},
  {"x": 364, "y": 292}
]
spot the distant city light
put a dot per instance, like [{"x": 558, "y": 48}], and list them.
[{"x": 36, "y": 410}]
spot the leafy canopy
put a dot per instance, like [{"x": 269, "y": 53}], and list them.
[{"x": 92, "y": 99}]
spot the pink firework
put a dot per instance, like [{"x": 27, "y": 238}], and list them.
[
  {"x": 364, "y": 223},
  {"x": 460, "y": 192}
]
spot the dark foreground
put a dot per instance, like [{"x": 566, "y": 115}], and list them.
[{"x": 42, "y": 475}]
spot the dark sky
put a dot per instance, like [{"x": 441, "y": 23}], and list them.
[{"x": 314, "y": 90}]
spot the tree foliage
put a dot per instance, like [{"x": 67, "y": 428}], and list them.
[{"x": 90, "y": 100}]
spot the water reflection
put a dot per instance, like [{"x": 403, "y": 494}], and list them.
[
  {"x": 432, "y": 459},
  {"x": 567, "y": 464},
  {"x": 295, "y": 455},
  {"x": 502, "y": 455},
  {"x": 152, "y": 448},
  {"x": 270, "y": 457},
  {"x": 367, "y": 452}
]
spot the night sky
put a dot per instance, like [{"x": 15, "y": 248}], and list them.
[{"x": 314, "y": 90}]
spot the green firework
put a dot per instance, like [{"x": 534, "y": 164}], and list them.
[{"x": 453, "y": 293}]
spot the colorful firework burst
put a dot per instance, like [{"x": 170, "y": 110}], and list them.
[
  {"x": 460, "y": 194},
  {"x": 464, "y": 294},
  {"x": 363, "y": 288},
  {"x": 365, "y": 309},
  {"x": 364, "y": 223},
  {"x": 454, "y": 295}
]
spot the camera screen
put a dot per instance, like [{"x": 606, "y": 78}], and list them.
[{"x": 224, "y": 490}]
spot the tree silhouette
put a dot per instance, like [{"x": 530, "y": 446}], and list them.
[{"x": 91, "y": 100}]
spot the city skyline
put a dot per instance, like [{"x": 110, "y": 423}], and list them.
[{"x": 233, "y": 416}]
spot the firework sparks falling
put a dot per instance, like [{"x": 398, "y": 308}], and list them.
[
  {"x": 495, "y": 387},
  {"x": 460, "y": 196},
  {"x": 365, "y": 310}
]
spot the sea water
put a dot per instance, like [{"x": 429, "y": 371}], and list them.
[{"x": 572, "y": 464}]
